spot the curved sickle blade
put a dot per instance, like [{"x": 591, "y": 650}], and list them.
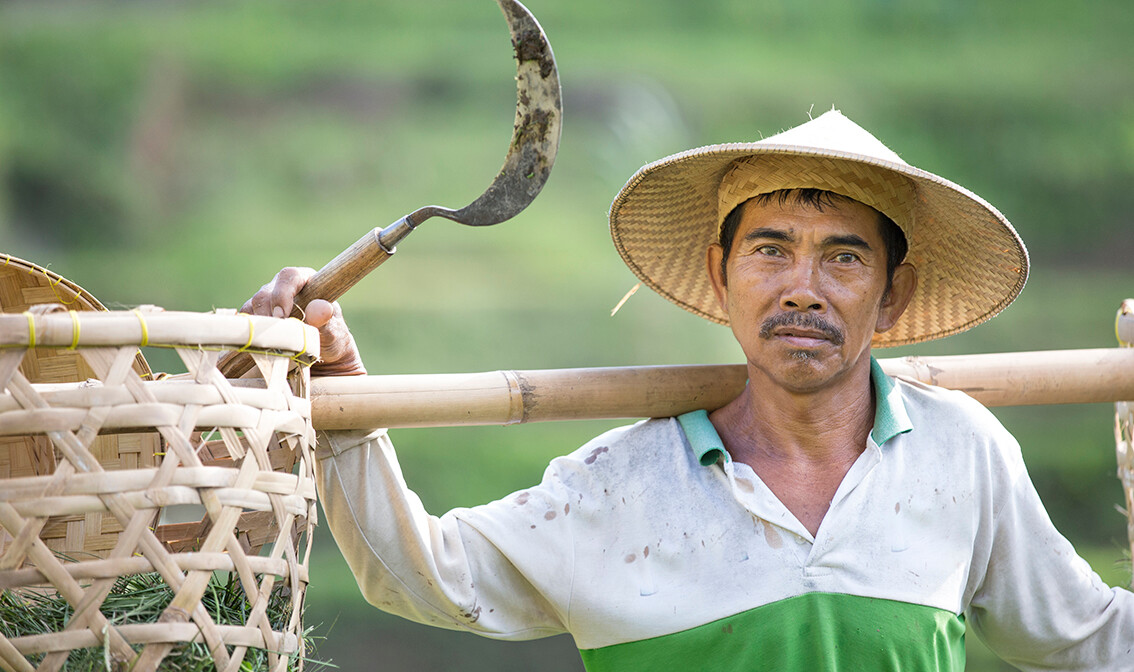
[
  {"x": 535, "y": 141},
  {"x": 535, "y": 138}
]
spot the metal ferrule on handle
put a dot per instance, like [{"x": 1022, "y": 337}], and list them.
[{"x": 389, "y": 237}]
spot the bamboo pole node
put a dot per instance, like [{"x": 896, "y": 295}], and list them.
[{"x": 516, "y": 411}]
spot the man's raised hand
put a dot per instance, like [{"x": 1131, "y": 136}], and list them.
[{"x": 338, "y": 354}]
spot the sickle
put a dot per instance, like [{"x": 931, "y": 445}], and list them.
[{"x": 535, "y": 140}]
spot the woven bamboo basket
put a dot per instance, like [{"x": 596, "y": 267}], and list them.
[{"x": 76, "y": 516}]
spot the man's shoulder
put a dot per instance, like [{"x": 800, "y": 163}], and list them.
[
  {"x": 643, "y": 439},
  {"x": 954, "y": 422},
  {"x": 939, "y": 403},
  {"x": 641, "y": 452}
]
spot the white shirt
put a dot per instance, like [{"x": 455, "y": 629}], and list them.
[{"x": 649, "y": 534}]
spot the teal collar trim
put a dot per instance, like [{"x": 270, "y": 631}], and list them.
[
  {"x": 890, "y": 417},
  {"x": 890, "y": 420},
  {"x": 703, "y": 438}
]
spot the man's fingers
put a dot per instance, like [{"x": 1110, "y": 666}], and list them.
[
  {"x": 277, "y": 297},
  {"x": 338, "y": 355},
  {"x": 259, "y": 303},
  {"x": 318, "y": 313},
  {"x": 284, "y": 287}
]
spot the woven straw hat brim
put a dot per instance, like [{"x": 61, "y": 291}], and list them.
[{"x": 970, "y": 261}]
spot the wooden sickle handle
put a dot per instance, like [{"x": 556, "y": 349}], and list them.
[
  {"x": 344, "y": 271},
  {"x": 334, "y": 279}
]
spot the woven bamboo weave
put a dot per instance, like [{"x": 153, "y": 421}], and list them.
[
  {"x": 23, "y": 287},
  {"x": 242, "y": 450}
]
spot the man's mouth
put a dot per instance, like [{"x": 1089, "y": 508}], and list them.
[
  {"x": 803, "y": 337},
  {"x": 801, "y": 329}
]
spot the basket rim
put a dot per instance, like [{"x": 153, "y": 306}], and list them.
[{"x": 158, "y": 328}]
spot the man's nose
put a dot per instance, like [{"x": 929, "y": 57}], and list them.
[{"x": 802, "y": 290}]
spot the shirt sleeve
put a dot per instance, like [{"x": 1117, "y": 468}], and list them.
[
  {"x": 1040, "y": 606},
  {"x": 447, "y": 571}
]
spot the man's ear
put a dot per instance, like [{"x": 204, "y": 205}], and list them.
[
  {"x": 713, "y": 262},
  {"x": 897, "y": 297}
]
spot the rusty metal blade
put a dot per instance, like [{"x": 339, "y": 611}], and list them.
[{"x": 535, "y": 135}]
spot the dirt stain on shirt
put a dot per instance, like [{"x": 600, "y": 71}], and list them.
[
  {"x": 590, "y": 459},
  {"x": 772, "y": 535}
]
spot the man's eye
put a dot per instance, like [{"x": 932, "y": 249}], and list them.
[
  {"x": 846, "y": 258},
  {"x": 769, "y": 250}
]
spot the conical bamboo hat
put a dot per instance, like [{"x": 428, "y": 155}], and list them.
[{"x": 971, "y": 263}]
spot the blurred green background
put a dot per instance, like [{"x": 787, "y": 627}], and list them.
[{"x": 179, "y": 153}]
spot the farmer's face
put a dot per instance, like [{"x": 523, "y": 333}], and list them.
[{"x": 806, "y": 289}]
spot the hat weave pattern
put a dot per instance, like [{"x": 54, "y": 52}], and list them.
[{"x": 885, "y": 191}]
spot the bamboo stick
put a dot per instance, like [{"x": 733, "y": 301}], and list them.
[{"x": 509, "y": 397}]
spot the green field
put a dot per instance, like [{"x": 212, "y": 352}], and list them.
[{"x": 180, "y": 153}]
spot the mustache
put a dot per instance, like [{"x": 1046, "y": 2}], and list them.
[{"x": 805, "y": 320}]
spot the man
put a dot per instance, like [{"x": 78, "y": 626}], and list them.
[{"x": 830, "y": 517}]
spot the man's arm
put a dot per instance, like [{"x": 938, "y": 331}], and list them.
[
  {"x": 436, "y": 570},
  {"x": 445, "y": 571},
  {"x": 1040, "y": 606}
]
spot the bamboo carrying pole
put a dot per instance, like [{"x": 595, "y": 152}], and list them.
[{"x": 509, "y": 397}]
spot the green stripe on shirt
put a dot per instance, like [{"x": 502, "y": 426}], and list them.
[{"x": 814, "y": 632}]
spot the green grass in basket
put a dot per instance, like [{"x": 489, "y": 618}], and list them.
[{"x": 141, "y": 598}]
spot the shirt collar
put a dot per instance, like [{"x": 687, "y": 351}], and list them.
[
  {"x": 703, "y": 437},
  {"x": 890, "y": 419}
]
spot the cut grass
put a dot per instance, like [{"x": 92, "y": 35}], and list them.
[{"x": 141, "y": 598}]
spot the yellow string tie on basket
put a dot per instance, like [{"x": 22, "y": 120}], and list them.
[
  {"x": 31, "y": 329},
  {"x": 296, "y": 357},
  {"x": 145, "y": 328},
  {"x": 251, "y": 332},
  {"x": 74, "y": 330},
  {"x": 55, "y": 289}
]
